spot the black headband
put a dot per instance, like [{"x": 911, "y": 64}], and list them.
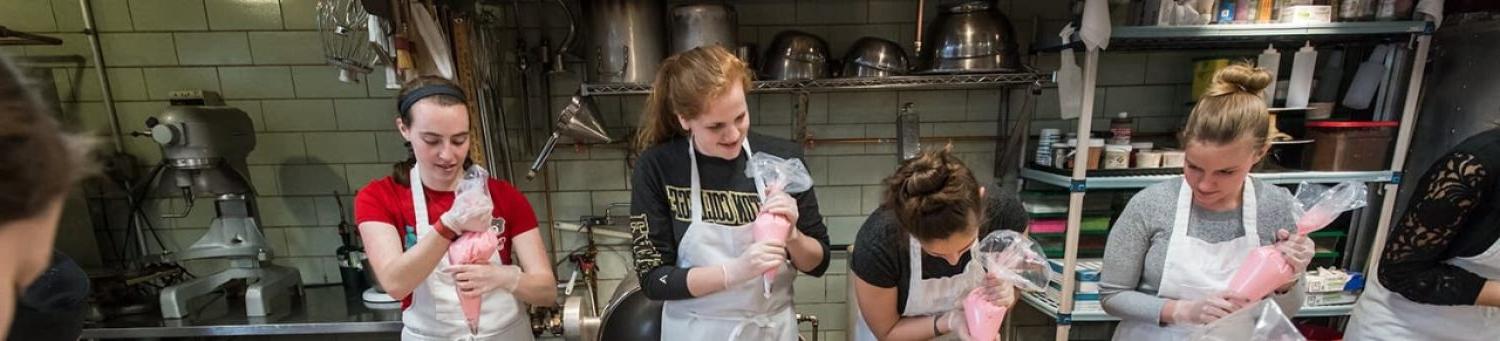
[{"x": 425, "y": 91}]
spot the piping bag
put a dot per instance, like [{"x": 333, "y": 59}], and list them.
[
  {"x": 1266, "y": 268},
  {"x": 772, "y": 174},
  {"x": 1014, "y": 259},
  {"x": 473, "y": 248}
]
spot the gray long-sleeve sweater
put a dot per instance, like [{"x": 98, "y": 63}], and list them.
[{"x": 1137, "y": 248}]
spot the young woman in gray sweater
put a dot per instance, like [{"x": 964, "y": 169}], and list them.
[{"x": 1172, "y": 252}]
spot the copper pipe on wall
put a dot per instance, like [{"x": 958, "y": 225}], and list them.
[{"x": 917, "y": 44}]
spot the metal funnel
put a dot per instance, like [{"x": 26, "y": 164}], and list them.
[{"x": 578, "y": 120}]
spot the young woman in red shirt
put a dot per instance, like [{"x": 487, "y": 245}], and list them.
[{"x": 407, "y": 233}]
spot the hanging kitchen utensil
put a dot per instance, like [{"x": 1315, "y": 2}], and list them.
[
  {"x": 1095, "y": 30},
  {"x": 1069, "y": 80},
  {"x": 1367, "y": 79},
  {"x": 579, "y": 121},
  {"x": 436, "y": 56},
  {"x": 908, "y": 133},
  {"x": 343, "y": 26}
]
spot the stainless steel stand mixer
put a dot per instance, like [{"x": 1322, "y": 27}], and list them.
[{"x": 204, "y": 145}]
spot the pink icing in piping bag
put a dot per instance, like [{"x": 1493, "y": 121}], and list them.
[
  {"x": 983, "y": 316},
  {"x": 768, "y": 226},
  {"x": 1265, "y": 268},
  {"x": 474, "y": 248}
]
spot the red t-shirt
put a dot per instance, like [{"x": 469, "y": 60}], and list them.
[{"x": 385, "y": 201}]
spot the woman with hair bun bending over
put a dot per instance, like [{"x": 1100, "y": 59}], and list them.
[
  {"x": 913, "y": 259},
  {"x": 1168, "y": 273}
]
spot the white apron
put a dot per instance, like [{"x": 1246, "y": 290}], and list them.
[
  {"x": 1195, "y": 268},
  {"x": 1385, "y": 315},
  {"x": 931, "y": 296},
  {"x": 435, "y": 314},
  {"x": 741, "y": 312}
]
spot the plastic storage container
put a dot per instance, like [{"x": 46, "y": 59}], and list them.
[{"x": 1350, "y": 145}]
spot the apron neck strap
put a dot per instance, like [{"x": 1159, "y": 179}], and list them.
[
  {"x": 418, "y": 197},
  {"x": 696, "y": 193}
]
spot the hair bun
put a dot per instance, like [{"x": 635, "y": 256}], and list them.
[
  {"x": 929, "y": 176},
  {"x": 1237, "y": 78}
]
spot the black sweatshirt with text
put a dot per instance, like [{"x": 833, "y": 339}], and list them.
[{"x": 661, "y": 211}]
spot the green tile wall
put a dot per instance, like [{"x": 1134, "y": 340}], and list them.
[
  {"x": 317, "y": 136},
  {"x": 314, "y": 135}
]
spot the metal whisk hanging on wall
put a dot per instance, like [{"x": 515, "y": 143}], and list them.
[{"x": 344, "y": 27}]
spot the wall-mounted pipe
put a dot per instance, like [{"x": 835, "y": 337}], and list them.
[
  {"x": 559, "y": 64},
  {"x": 104, "y": 90}
]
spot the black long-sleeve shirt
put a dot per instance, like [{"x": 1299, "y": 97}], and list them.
[
  {"x": 661, "y": 211},
  {"x": 1456, "y": 213}
]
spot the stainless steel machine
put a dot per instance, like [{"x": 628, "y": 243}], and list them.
[{"x": 204, "y": 145}]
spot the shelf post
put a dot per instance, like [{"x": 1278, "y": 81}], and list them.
[
  {"x": 1075, "y": 198},
  {"x": 1398, "y": 162}
]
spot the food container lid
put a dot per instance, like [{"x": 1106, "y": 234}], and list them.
[
  {"x": 1118, "y": 147},
  {"x": 1142, "y": 145},
  {"x": 1352, "y": 124},
  {"x": 1096, "y": 142},
  {"x": 1060, "y": 145}
]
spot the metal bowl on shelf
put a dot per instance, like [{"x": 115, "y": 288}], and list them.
[
  {"x": 971, "y": 37},
  {"x": 874, "y": 57},
  {"x": 796, "y": 55}
]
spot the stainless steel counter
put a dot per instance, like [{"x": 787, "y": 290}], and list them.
[{"x": 322, "y": 310}]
